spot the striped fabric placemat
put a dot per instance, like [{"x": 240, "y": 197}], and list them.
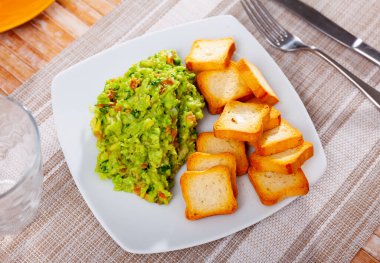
[{"x": 330, "y": 224}]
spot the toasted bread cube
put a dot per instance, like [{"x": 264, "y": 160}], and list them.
[
  {"x": 220, "y": 86},
  {"x": 202, "y": 161},
  {"x": 208, "y": 193},
  {"x": 210, "y": 54},
  {"x": 242, "y": 121},
  {"x": 274, "y": 115},
  {"x": 256, "y": 82},
  {"x": 272, "y": 187},
  {"x": 208, "y": 143},
  {"x": 278, "y": 139},
  {"x": 286, "y": 162},
  {"x": 274, "y": 119}
]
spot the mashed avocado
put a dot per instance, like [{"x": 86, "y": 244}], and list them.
[{"x": 145, "y": 124}]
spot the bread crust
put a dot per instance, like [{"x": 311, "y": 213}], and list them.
[
  {"x": 220, "y": 86},
  {"x": 286, "y": 162},
  {"x": 198, "y": 59},
  {"x": 274, "y": 119},
  {"x": 199, "y": 161},
  {"x": 278, "y": 139},
  {"x": 193, "y": 195},
  {"x": 208, "y": 143},
  {"x": 232, "y": 125},
  {"x": 256, "y": 82},
  {"x": 288, "y": 185}
]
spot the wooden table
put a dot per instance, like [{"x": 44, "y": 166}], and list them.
[{"x": 27, "y": 48}]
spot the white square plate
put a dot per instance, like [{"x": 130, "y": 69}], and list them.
[{"x": 136, "y": 225}]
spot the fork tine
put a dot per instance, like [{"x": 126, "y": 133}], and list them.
[
  {"x": 265, "y": 20},
  {"x": 252, "y": 14},
  {"x": 268, "y": 31},
  {"x": 276, "y": 36},
  {"x": 270, "y": 18}
]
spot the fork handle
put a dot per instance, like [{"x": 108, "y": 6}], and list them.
[{"x": 372, "y": 94}]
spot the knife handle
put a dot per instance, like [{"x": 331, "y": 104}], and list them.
[{"x": 372, "y": 94}]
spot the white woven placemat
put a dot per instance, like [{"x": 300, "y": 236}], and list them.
[{"x": 330, "y": 224}]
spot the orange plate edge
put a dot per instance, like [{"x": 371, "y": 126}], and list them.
[{"x": 26, "y": 18}]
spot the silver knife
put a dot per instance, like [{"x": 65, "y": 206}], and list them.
[{"x": 331, "y": 29}]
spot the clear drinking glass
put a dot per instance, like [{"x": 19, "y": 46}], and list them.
[{"x": 20, "y": 167}]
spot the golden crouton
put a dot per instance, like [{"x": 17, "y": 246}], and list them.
[
  {"x": 208, "y": 143},
  {"x": 274, "y": 115},
  {"x": 256, "y": 82},
  {"x": 220, "y": 86},
  {"x": 208, "y": 193},
  {"x": 273, "y": 187},
  {"x": 278, "y": 139},
  {"x": 286, "y": 162},
  {"x": 210, "y": 54},
  {"x": 242, "y": 121},
  {"x": 202, "y": 161},
  {"x": 274, "y": 119}
]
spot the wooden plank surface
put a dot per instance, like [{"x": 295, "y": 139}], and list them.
[
  {"x": 27, "y": 48},
  {"x": 7, "y": 81},
  {"x": 363, "y": 257},
  {"x": 81, "y": 10},
  {"x": 373, "y": 246},
  {"x": 377, "y": 231},
  {"x": 102, "y": 6}
]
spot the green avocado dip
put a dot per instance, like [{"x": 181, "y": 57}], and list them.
[{"x": 144, "y": 123}]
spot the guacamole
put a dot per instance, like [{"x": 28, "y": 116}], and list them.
[{"x": 144, "y": 123}]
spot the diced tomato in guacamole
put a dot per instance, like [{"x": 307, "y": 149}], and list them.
[{"x": 144, "y": 123}]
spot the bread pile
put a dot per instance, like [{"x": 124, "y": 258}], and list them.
[{"x": 240, "y": 93}]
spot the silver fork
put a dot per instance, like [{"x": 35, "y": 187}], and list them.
[{"x": 280, "y": 38}]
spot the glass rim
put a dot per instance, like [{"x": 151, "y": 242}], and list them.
[{"x": 37, "y": 141}]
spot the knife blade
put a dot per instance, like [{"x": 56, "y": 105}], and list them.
[{"x": 331, "y": 29}]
